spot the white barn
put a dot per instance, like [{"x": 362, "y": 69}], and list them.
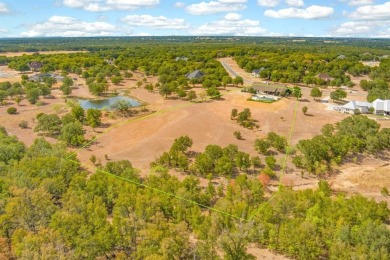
[{"x": 381, "y": 107}]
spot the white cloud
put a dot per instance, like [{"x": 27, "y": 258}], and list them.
[
  {"x": 213, "y": 7},
  {"x": 360, "y": 2},
  {"x": 233, "y": 17},
  {"x": 352, "y": 28},
  {"x": 268, "y": 3},
  {"x": 159, "y": 22},
  {"x": 378, "y": 28},
  {"x": 311, "y": 12},
  {"x": 69, "y": 26},
  {"x": 245, "y": 27},
  {"x": 106, "y": 5},
  {"x": 179, "y": 5},
  {"x": 295, "y": 3},
  {"x": 372, "y": 12},
  {"x": 3, "y": 30},
  {"x": 4, "y": 8}
]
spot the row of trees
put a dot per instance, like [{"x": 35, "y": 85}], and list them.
[
  {"x": 302, "y": 65},
  {"x": 355, "y": 134},
  {"x": 51, "y": 208},
  {"x": 68, "y": 128}
]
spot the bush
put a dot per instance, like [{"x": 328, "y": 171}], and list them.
[
  {"x": 385, "y": 192},
  {"x": 12, "y": 110},
  {"x": 23, "y": 124},
  {"x": 304, "y": 109},
  {"x": 356, "y": 112},
  {"x": 39, "y": 103},
  {"x": 238, "y": 135}
]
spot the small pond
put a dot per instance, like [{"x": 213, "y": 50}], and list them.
[{"x": 106, "y": 103}]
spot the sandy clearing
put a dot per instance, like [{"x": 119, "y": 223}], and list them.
[
  {"x": 264, "y": 254},
  {"x": 367, "y": 177}
]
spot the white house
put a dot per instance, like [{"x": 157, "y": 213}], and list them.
[
  {"x": 350, "y": 107},
  {"x": 381, "y": 107},
  {"x": 256, "y": 73}
]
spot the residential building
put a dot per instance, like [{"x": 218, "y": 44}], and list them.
[
  {"x": 256, "y": 73},
  {"x": 381, "y": 107},
  {"x": 197, "y": 74},
  {"x": 352, "y": 106}
]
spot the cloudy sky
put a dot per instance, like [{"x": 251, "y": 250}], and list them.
[{"x": 357, "y": 18}]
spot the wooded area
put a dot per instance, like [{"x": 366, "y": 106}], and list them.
[{"x": 52, "y": 206}]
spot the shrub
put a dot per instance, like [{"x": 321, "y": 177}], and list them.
[
  {"x": 23, "y": 124},
  {"x": 39, "y": 103},
  {"x": 385, "y": 192},
  {"x": 12, "y": 110},
  {"x": 356, "y": 112},
  {"x": 304, "y": 109},
  {"x": 238, "y": 135}
]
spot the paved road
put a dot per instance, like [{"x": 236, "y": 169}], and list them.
[{"x": 235, "y": 74}]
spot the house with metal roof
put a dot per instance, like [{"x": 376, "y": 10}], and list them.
[
  {"x": 352, "y": 106},
  {"x": 197, "y": 74},
  {"x": 381, "y": 107},
  {"x": 40, "y": 77},
  {"x": 256, "y": 73},
  {"x": 35, "y": 65},
  {"x": 325, "y": 77}
]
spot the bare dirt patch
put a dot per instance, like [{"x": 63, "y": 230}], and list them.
[{"x": 367, "y": 177}]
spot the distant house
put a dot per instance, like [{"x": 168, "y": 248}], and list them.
[
  {"x": 275, "y": 90},
  {"x": 341, "y": 57},
  {"x": 381, "y": 107},
  {"x": 35, "y": 65},
  {"x": 256, "y": 73},
  {"x": 325, "y": 99},
  {"x": 40, "y": 77},
  {"x": 197, "y": 74},
  {"x": 325, "y": 77},
  {"x": 181, "y": 58},
  {"x": 110, "y": 62},
  {"x": 352, "y": 106}
]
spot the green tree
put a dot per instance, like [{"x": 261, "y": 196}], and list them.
[
  {"x": 238, "y": 81},
  {"x": 262, "y": 146},
  {"x": 297, "y": 92},
  {"x": 94, "y": 117},
  {"x": 32, "y": 95},
  {"x": 122, "y": 106},
  {"x": 49, "y": 124},
  {"x": 271, "y": 162},
  {"x": 78, "y": 113},
  {"x": 181, "y": 144},
  {"x": 165, "y": 90},
  {"x": 277, "y": 141},
  {"x": 338, "y": 94},
  {"x": 316, "y": 93},
  {"x": 72, "y": 134}
]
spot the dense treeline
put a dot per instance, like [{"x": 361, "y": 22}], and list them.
[
  {"x": 355, "y": 134},
  {"x": 51, "y": 209},
  {"x": 295, "y": 62},
  {"x": 379, "y": 86},
  {"x": 303, "y": 65},
  {"x": 102, "y": 43}
]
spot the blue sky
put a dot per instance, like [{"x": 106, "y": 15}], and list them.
[{"x": 340, "y": 18}]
